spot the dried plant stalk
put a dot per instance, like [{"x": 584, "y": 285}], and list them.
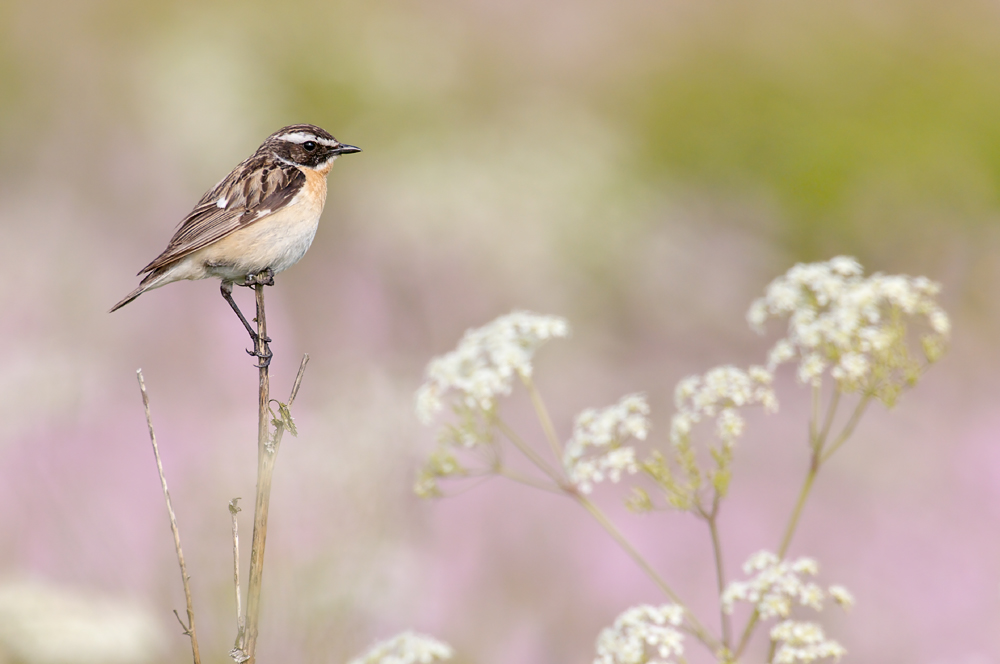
[{"x": 189, "y": 629}]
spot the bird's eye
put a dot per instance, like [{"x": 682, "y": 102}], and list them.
[{"x": 309, "y": 146}]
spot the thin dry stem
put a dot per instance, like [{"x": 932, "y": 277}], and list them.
[
  {"x": 267, "y": 451},
  {"x": 240, "y": 624},
  {"x": 189, "y": 628},
  {"x": 265, "y": 472}
]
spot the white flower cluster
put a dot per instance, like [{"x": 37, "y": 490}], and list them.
[
  {"x": 842, "y": 321},
  {"x": 718, "y": 394},
  {"x": 406, "y": 648},
  {"x": 803, "y": 642},
  {"x": 486, "y": 361},
  {"x": 777, "y": 584},
  {"x": 603, "y": 431},
  {"x": 639, "y": 629}
]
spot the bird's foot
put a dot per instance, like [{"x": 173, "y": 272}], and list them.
[
  {"x": 263, "y": 278},
  {"x": 265, "y": 355}
]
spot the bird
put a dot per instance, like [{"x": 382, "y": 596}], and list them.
[{"x": 256, "y": 222}]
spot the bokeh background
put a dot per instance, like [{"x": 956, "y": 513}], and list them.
[{"x": 643, "y": 168}]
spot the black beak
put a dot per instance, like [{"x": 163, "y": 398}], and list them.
[{"x": 344, "y": 149}]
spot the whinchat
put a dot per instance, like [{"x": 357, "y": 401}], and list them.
[{"x": 259, "y": 220}]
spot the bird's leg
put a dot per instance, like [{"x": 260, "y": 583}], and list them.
[
  {"x": 227, "y": 292},
  {"x": 263, "y": 278}
]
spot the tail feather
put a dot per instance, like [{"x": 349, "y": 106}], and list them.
[{"x": 152, "y": 280}]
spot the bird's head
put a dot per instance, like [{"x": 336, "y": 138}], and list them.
[{"x": 306, "y": 145}]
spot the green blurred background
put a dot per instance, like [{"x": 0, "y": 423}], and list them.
[{"x": 642, "y": 168}]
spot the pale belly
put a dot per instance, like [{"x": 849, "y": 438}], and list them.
[{"x": 277, "y": 242}]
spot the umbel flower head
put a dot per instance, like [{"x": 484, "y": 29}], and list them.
[
  {"x": 596, "y": 450},
  {"x": 803, "y": 642},
  {"x": 470, "y": 379},
  {"x": 406, "y": 648},
  {"x": 775, "y": 585},
  {"x": 486, "y": 362},
  {"x": 717, "y": 396},
  {"x": 853, "y": 327},
  {"x": 643, "y": 635}
]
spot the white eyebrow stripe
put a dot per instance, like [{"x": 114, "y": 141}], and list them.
[
  {"x": 303, "y": 136},
  {"x": 298, "y": 137}
]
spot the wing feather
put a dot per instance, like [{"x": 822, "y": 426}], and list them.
[{"x": 253, "y": 191}]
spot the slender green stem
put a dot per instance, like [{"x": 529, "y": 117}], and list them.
[
  {"x": 711, "y": 519},
  {"x": 770, "y": 651},
  {"x": 831, "y": 412},
  {"x": 786, "y": 540},
  {"x": 528, "y": 481},
  {"x": 544, "y": 418},
  {"x": 527, "y": 450},
  {"x": 820, "y": 454},
  {"x": 814, "y": 418},
  {"x": 793, "y": 521},
  {"x": 817, "y": 438},
  {"x": 848, "y": 429},
  {"x": 697, "y": 629}
]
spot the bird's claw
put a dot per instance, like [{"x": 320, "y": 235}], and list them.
[
  {"x": 263, "y": 278},
  {"x": 265, "y": 357}
]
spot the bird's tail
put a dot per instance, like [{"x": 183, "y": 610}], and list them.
[{"x": 152, "y": 280}]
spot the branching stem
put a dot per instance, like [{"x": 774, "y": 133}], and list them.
[
  {"x": 527, "y": 451},
  {"x": 520, "y": 478},
  {"x": 267, "y": 452},
  {"x": 712, "y": 518},
  {"x": 848, "y": 429},
  {"x": 696, "y": 628},
  {"x": 189, "y": 629},
  {"x": 819, "y": 455},
  {"x": 544, "y": 418}
]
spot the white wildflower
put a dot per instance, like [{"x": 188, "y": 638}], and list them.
[
  {"x": 811, "y": 369},
  {"x": 642, "y": 634},
  {"x": 852, "y": 366},
  {"x": 940, "y": 322},
  {"x": 52, "y": 623},
  {"x": 486, "y": 361},
  {"x": 850, "y": 324},
  {"x": 406, "y": 648},
  {"x": 775, "y": 585},
  {"x": 717, "y": 395},
  {"x": 841, "y": 596},
  {"x": 603, "y": 431},
  {"x": 729, "y": 424},
  {"x": 803, "y": 642}
]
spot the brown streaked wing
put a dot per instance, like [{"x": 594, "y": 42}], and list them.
[{"x": 254, "y": 194}]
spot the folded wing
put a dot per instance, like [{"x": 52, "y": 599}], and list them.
[{"x": 253, "y": 191}]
